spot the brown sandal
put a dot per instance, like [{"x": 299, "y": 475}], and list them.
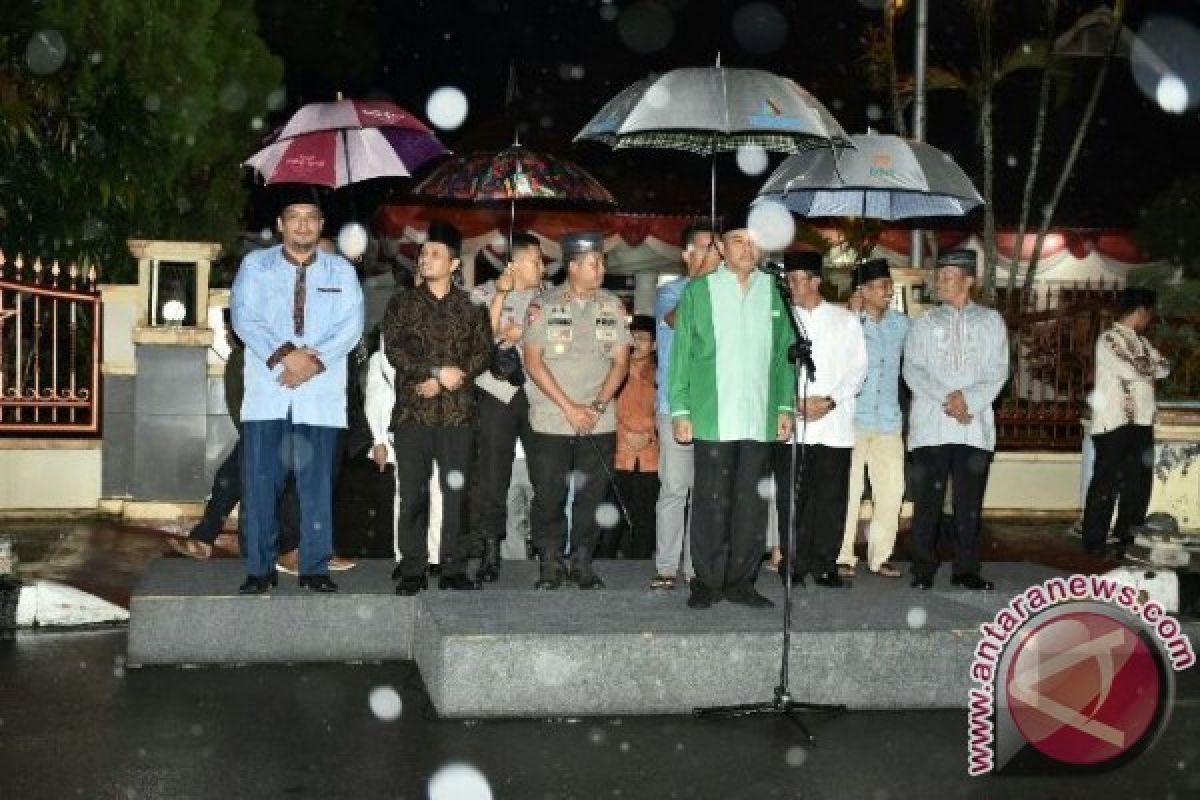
[
  {"x": 663, "y": 582},
  {"x": 189, "y": 547},
  {"x": 886, "y": 570}
]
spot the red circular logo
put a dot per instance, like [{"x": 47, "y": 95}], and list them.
[{"x": 1084, "y": 688}]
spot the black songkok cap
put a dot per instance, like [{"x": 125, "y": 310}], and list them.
[
  {"x": 447, "y": 234},
  {"x": 964, "y": 259},
  {"x": 1132, "y": 297},
  {"x": 294, "y": 194},
  {"x": 809, "y": 261},
  {"x": 871, "y": 269},
  {"x": 642, "y": 322}
]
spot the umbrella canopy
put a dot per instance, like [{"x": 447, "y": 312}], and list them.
[
  {"x": 512, "y": 174},
  {"x": 711, "y": 109},
  {"x": 347, "y": 114},
  {"x": 883, "y": 177},
  {"x": 337, "y": 158}
]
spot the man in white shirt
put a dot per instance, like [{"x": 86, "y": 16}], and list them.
[
  {"x": 955, "y": 363},
  {"x": 824, "y": 425},
  {"x": 1123, "y": 410}
]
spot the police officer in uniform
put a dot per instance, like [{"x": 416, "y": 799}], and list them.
[{"x": 576, "y": 354}]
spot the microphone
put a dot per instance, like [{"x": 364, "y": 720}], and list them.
[{"x": 772, "y": 268}]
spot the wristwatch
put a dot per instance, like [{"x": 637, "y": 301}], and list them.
[{"x": 599, "y": 406}]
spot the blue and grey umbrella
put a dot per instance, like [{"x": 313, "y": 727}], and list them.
[
  {"x": 707, "y": 110},
  {"x": 882, "y": 177}
]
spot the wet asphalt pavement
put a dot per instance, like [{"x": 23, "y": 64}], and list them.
[{"x": 74, "y": 722}]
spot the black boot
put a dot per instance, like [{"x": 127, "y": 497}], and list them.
[{"x": 489, "y": 563}]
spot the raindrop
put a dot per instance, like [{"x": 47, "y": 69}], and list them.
[
  {"x": 46, "y": 52},
  {"x": 1011, "y": 160},
  {"x": 772, "y": 225},
  {"x": 795, "y": 756},
  {"x": 352, "y": 240},
  {"x": 597, "y": 736},
  {"x": 385, "y": 704},
  {"x": 577, "y": 72},
  {"x": 577, "y": 479},
  {"x": 276, "y": 99},
  {"x": 96, "y": 57},
  {"x": 447, "y": 107},
  {"x": 256, "y": 124},
  {"x": 233, "y": 97},
  {"x": 607, "y": 515},
  {"x": 624, "y": 746},
  {"x": 455, "y": 479},
  {"x": 646, "y": 27},
  {"x": 265, "y": 234},
  {"x": 152, "y": 103},
  {"x": 1165, "y": 59},
  {"x": 874, "y": 112},
  {"x": 1172, "y": 94},
  {"x": 752, "y": 159},
  {"x": 760, "y": 27},
  {"x": 766, "y": 488},
  {"x": 459, "y": 782},
  {"x": 916, "y": 617}
]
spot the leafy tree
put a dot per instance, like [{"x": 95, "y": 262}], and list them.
[
  {"x": 139, "y": 133},
  {"x": 1169, "y": 228}
]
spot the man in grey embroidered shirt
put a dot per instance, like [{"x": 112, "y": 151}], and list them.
[{"x": 955, "y": 363}]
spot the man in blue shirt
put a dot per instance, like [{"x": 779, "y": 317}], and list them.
[
  {"x": 299, "y": 311},
  {"x": 955, "y": 363},
  {"x": 878, "y": 438},
  {"x": 700, "y": 257}
]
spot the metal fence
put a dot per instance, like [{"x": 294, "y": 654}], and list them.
[
  {"x": 1052, "y": 337},
  {"x": 49, "y": 349}
]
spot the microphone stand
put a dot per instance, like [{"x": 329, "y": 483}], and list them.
[{"x": 800, "y": 354}]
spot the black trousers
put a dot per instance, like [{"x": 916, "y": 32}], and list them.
[
  {"x": 822, "y": 484},
  {"x": 417, "y": 447},
  {"x": 931, "y": 466},
  {"x": 639, "y": 491},
  {"x": 1124, "y": 470},
  {"x": 729, "y": 512},
  {"x": 500, "y": 425},
  {"x": 553, "y": 462}
]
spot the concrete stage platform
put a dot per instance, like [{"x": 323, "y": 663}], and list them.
[{"x": 510, "y": 651}]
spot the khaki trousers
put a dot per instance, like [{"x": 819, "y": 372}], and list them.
[{"x": 882, "y": 455}]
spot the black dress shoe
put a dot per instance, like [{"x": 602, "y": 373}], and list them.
[
  {"x": 549, "y": 581},
  {"x": 318, "y": 583},
  {"x": 700, "y": 598},
  {"x": 255, "y": 584},
  {"x": 434, "y": 570},
  {"x": 797, "y": 580},
  {"x": 460, "y": 582},
  {"x": 408, "y": 585},
  {"x": 831, "y": 580},
  {"x": 584, "y": 578},
  {"x": 748, "y": 596},
  {"x": 972, "y": 580},
  {"x": 397, "y": 572},
  {"x": 922, "y": 582}
]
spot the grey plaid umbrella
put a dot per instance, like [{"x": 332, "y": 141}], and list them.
[
  {"x": 706, "y": 110},
  {"x": 883, "y": 177}
]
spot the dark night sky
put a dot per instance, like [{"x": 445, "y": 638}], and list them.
[{"x": 570, "y": 58}]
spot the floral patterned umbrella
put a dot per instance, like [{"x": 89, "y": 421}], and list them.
[{"x": 513, "y": 174}]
